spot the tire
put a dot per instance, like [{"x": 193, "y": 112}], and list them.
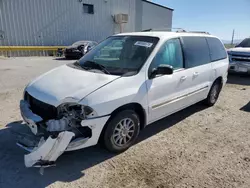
[
  {"x": 125, "y": 126},
  {"x": 213, "y": 94}
]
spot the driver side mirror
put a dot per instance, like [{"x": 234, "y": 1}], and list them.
[{"x": 162, "y": 69}]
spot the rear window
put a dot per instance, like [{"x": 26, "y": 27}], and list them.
[
  {"x": 217, "y": 49},
  {"x": 196, "y": 51}
]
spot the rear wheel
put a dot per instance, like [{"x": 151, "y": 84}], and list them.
[
  {"x": 122, "y": 131},
  {"x": 213, "y": 94}
]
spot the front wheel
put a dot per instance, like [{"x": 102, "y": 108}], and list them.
[
  {"x": 213, "y": 94},
  {"x": 122, "y": 131}
]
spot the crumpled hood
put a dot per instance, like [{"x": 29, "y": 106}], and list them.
[
  {"x": 66, "y": 82},
  {"x": 239, "y": 50}
]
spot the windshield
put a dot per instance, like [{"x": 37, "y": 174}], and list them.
[
  {"x": 120, "y": 54},
  {"x": 245, "y": 43}
]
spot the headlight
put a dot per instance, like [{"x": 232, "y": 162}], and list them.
[{"x": 75, "y": 110}]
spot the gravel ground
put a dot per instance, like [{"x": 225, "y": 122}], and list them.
[{"x": 197, "y": 147}]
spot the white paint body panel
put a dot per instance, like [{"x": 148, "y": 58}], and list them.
[
  {"x": 171, "y": 93},
  {"x": 163, "y": 90},
  {"x": 122, "y": 91},
  {"x": 66, "y": 82}
]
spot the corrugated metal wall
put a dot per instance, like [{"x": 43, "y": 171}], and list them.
[
  {"x": 60, "y": 22},
  {"x": 154, "y": 16}
]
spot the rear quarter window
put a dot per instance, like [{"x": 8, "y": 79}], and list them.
[
  {"x": 217, "y": 50},
  {"x": 196, "y": 51}
]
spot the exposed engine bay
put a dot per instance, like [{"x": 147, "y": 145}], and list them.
[{"x": 69, "y": 117}]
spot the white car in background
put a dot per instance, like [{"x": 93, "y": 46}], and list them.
[
  {"x": 110, "y": 99},
  {"x": 239, "y": 57}
]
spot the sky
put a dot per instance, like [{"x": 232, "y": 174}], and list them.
[{"x": 218, "y": 17}]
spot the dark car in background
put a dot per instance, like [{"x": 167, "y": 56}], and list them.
[{"x": 78, "y": 49}]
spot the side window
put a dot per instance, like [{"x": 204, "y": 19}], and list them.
[
  {"x": 217, "y": 49},
  {"x": 170, "y": 54},
  {"x": 196, "y": 51}
]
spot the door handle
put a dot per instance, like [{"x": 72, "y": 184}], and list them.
[
  {"x": 196, "y": 74},
  {"x": 183, "y": 78}
]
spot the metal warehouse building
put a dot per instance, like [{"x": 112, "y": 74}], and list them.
[{"x": 62, "y": 22}]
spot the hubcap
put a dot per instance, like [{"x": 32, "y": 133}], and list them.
[{"x": 123, "y": 132}]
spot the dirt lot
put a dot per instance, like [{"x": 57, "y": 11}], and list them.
[{"x": 197, "y": 147}]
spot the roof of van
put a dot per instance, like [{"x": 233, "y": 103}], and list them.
[{"x": 164, "y": 34}]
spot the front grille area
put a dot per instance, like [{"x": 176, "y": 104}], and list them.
[
  {"x": 240, "y": 59},
  {"x": 44, "y": 110}
]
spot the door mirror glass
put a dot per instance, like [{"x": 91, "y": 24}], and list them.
[
  {"x": 165, "y": 69},
  {"x": 162, "y": 70}
]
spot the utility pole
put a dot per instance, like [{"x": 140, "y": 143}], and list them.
[{"x": 232, "y": 42}]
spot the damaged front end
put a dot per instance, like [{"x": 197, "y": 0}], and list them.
[{"x": 73, "y": 127}]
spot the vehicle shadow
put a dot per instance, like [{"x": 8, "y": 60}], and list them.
[
  {"x": 71, "y": 165},
  {"x": 238, "y": 79},
  {"x": 62, "y": 59},
  {"x": 65, "y": 59},
  {"x": 246, "y": 108}
]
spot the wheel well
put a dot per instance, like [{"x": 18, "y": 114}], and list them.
[
  {"x": 132, "y": 106},
  {"x": 220, "y": 80}
]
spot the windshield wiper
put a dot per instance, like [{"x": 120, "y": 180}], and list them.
[
  {"x": 76, "y": 65},
  {"x": 94, "y": 65}
]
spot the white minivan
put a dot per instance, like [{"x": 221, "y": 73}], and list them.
[{"x": 125, "y": 83}]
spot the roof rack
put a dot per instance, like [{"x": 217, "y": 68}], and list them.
[
  {"x": 177, "y": 30},
  {"x": 204, "y": 32},
  {"x": 164, "y": 29}
]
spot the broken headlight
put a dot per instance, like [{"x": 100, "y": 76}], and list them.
[{"x": 76, "y": 111}]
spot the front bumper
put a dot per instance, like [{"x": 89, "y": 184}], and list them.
[
  {"x": 29, "y": 117},
  {"x": 239, "y": 67},
  {"x": 45, "y": 149}
]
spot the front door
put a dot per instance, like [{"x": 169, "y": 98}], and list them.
[{"x": 166, "y": 93}]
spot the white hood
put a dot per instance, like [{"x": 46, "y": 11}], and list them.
[
  {"x": 66, "y": 82},
  {"x": 239, "y": 49}
]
